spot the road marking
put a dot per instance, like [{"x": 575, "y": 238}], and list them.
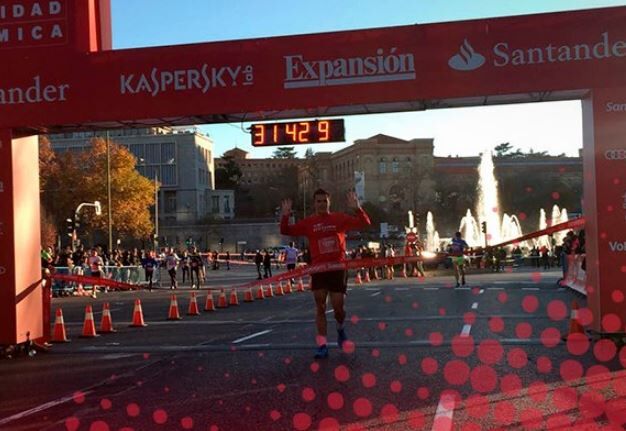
[
  {"x": 431, "y": 288},
  {"x": 497, "y": 288},
  {"x": 330, "y": 311},
  {"x": 401, "y": 288},
  {"x": 39, "y": 408},
  {"x": 475, "y": 306},
  {"x": 466, "y": 330},
  {"x": 481, "y": 291},
  {"x": 530, "y": 288},
  {"x": 443, "y": 417},
  {"x": 258, "y": 334},
  {"x": 377, "y": 293}
]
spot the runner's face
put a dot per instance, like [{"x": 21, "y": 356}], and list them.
[{"x": 322, "y": 204}]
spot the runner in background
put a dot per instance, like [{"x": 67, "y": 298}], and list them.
[
  {"x": 326, "y": 233},
  {"x": 291, "y": 258},
  {"x": 149, "y": 263},
  {"x": 457, "y": 249},
  {"x": 96, "y": 264}
]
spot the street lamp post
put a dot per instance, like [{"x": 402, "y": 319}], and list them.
[
  {"x": 110, "y": 221},
  {"x": 95, "y": 204},
  {"x": 156, "y": 212}
]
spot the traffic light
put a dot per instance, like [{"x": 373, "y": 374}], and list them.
[
  {"x": 70, "y": 226},
  {"x": 483, "y": 227}
]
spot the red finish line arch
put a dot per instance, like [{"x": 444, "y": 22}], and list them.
[{"x": 60, "y": 62}]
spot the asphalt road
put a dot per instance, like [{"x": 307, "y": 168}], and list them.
[{"x": 422, "y": 355}]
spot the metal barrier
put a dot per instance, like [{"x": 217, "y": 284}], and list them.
[
  {"x": 576, "y": 276},
  {"x": 125, "y": 274}
]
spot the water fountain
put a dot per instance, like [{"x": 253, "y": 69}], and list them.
[{"x": 499, "y": 229}]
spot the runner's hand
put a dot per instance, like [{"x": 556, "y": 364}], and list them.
[
  {"x": 285, "y": 206},
  {"x": 353, "y": 200}
]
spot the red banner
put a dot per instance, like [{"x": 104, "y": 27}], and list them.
[
  {"x": 578, "y": 223},
  {"x": 378, "y": 70}
]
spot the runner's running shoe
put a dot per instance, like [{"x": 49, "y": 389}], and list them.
[
  {"x": 321, "y": 352},
  {"x": 341, "y": 337}
]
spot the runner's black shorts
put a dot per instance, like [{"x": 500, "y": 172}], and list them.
[{"x": 333, "y": 281}]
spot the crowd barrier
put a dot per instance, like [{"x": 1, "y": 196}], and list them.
[
  {"x": 302, "y": 271},
  {"x": 576, "y": 277}
]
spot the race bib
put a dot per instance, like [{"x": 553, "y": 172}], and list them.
[{"x": 328, "y": 245}]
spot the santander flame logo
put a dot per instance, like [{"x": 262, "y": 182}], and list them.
[{"x": 466, "y": 59}]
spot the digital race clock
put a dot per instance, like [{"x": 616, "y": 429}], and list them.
[{"x": 297, "y": 132}]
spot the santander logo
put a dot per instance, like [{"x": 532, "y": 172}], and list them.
[{"x": 466, "y": 59}]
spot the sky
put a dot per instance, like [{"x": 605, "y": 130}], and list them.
[{"x": 555, "y": 127}]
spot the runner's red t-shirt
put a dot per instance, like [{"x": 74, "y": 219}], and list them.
[{"x": 326, "y": 233}]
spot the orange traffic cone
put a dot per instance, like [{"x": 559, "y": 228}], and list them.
[
  {"x": 300, "y": 285},
  {"x": 137, "y": 315},
  {"x": 574, "y": 324},
  {"x": 234, "y": 299},
  {"x": 59, "y": 335},
  {"x": 367, "y": 275},
  {"x": 269, "y": 293},
  {"x": 247, "y": 296},
  {"x": 221, "y": 300},
  {"x": 259, "y": 293},
  {"x": 193, "y": 306},
  {"x": 89, "y": 327},
  {"x": 357, "y": 279},
  {"x": 106, "y": 323},
  {"x": 209, "y": 305},
  {"x": 288, "y": 288},
  {"x": 173, "y": 313},
  {"x": 279, "y": 289}
]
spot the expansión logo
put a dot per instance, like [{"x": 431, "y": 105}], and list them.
[{"x": 467, "y": 58}]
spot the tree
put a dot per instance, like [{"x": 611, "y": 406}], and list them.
[
  {"x": 284, "y": 153},
  {"x": 72, "y": 178},
  {"x": 228, "y": 177}
]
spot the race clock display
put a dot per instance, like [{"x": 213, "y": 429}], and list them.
[{"x": 297, "y": 132}]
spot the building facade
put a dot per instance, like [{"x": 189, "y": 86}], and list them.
[{"x": 180, "y": 160}]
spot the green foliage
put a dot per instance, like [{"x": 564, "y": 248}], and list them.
[{"x": 284, "y": 153}]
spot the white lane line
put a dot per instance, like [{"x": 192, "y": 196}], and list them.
[
  {"x": 431, "y": 288},
  {"x": 497, "y": 288},
  {"x": 39, "y": 408},
  {"x": 475, "y": 306},
  {"x": 530, "y": 288},
  {"x": 241, "y": 340},
  {"x": 443, "y": 416},
  {"x": 330, "y": 311},
  {"x": 481, "y": 291},
  {"x": 377, "y": 293},
  {"x": 401, "y": 288},
  {"x": 466, "y": 330}
]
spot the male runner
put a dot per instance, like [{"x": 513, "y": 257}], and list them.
[
  {"x": 327, "y": 241},
  {"x": 457, "y": 248}
]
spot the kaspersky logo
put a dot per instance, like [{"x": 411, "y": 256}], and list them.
[{"x": 466, "y": 59}]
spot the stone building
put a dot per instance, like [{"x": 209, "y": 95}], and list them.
[{"x": 182, "y": 162}]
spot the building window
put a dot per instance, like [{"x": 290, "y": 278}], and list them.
[
  {"x": 215, "y": 208},
  {"x": 152, "y": 154},
  {"x": 395, "y": 166},
  {"x": 170, "y": 201},
  {"x": 168, "y": 153},
  {"x": 168, "y": 175},
  {"x": 382, "y": 167},
  {"x": 226, "y": 204}
]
